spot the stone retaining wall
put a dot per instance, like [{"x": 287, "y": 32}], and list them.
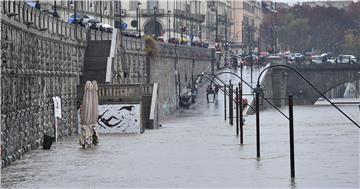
[
  {"x": 41, "y": 57},
  {"x": 172, "y": 68}
]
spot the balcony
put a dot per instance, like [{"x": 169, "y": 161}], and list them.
[{"x": 150, "y": 12}]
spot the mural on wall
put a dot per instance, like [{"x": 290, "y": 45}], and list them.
[{"x": 119, "y": 118}]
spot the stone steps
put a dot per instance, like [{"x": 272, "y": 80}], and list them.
[{"x": 95, "y": 61}]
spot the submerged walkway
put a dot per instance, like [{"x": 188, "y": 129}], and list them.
[{"x": 197, "y": 148}]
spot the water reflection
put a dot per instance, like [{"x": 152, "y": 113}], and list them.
[{"x": 292, "y": 183}]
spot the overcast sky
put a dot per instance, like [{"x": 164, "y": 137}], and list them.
[{"x": 291, "y": 2}]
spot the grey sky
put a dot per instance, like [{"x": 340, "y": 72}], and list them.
[{"x": 291, "y": 2}]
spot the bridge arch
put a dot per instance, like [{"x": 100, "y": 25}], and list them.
[{"x": 281, "y": 82}]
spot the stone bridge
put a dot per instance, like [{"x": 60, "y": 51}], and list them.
[{"x": 282, "y": 82}]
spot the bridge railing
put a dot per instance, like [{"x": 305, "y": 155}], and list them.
[{"x": 99, "y": 35}]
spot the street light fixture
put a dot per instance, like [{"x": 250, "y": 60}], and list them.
[
  {"x": 169, "y": 11},
  {"x": 138, "y": 19},
  {"x": 155, "y": 32}
]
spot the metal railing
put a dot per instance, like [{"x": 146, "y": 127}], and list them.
[
  {"x": 113, "y": 92},
  {"x": 47, "y": 23}
]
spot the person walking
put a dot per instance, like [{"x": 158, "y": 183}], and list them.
[{"x": 95, "y": 112}]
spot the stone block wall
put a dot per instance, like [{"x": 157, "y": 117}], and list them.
[
  {"x": 172, "y": 67},
  {"x": 41, "y": 57}
]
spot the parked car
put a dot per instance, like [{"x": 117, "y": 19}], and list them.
[
  {"x": 346, "y": 59},
  {"x": 316, "y": 59},
  {"x": 331, "y": 60},
  {"x": 174, "y": 40}
]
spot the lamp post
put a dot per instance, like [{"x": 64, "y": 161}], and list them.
[
  {"x": 138, "y": 21},
  {"x": 155, "y": 30},
  {"x": 216, "y": 23},
  {"x": 120, "y": 17},
  {"x": 101, "y": 11},
  {"x": 169, "y": 11}
]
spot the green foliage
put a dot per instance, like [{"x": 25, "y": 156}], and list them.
[
  {"x": 151, "y": 46},
  {"x": 294, "y": 34},
  {"x": 325, "y": 29},
  {"x": 352, "y": 42}
]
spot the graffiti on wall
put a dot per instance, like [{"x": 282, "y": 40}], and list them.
[{"x": 119, "y": 118}]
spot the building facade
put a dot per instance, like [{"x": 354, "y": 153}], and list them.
[
  {"x": 194, "y": 19},
  {"x": 248, "y": 17}
]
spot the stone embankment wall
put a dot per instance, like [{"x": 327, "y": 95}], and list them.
[
  {"x": 41, "y": 57},
  {"x": 172, "y": 67}
]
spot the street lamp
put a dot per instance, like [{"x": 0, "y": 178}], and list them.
[
  {"x": 120, "y": 18},
  {"x": 138, "y": 19},
  {"x": 216, "y": 20},
  {"x": 169, "y": 11},
  {"x": 273, "y": 27},
  {"x": 155, "y": 32}
]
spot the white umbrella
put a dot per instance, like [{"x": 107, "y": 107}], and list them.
[{"x": 86, "y": 115}]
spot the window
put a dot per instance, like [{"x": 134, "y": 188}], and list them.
[
  {"x": 132, "y": 5},
  {"x": 152, "y": 4}
]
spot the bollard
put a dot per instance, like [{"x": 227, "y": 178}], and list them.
[
  {"x": 291, "y": 133},
  {"x": 241, "y": 114},
  {"x": 231, "y": 108},
  {"x": 237, "y": 110},
  {"x": 257, "y": 109},
  {"x": 225, "y": 100}
]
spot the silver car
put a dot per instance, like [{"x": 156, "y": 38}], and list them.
[{"x": 346, "y": 59}]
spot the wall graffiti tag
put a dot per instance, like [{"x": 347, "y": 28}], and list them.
[{"x": 119, "y": 118}]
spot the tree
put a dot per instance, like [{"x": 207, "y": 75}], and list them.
[{"x": 301, "y": 28}]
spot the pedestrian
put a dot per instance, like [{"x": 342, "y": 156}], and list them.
[
  {"x": 210, "y": 90},
  {"x": 37, "y": 5},
  {"x": 216, "y": 89},
  {"x": 95, "y": 112},
  {"x": 86, "y": 116}
]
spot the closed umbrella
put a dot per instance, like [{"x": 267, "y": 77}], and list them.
[
  {"x": 86, "y": 116},
  {"x": 95, "y": 111}
]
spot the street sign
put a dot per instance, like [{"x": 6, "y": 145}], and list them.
[{"x": 123, "y": 26}]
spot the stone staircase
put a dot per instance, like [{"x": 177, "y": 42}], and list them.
[{"x": 95, "y": 61}]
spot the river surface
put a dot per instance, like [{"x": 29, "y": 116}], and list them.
[{"x": 197, "y": 148}]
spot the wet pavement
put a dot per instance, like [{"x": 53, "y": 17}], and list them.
[{"x": 197, "y": 148}]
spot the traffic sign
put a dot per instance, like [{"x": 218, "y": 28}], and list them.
[{"x": 123, "y": 26}]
